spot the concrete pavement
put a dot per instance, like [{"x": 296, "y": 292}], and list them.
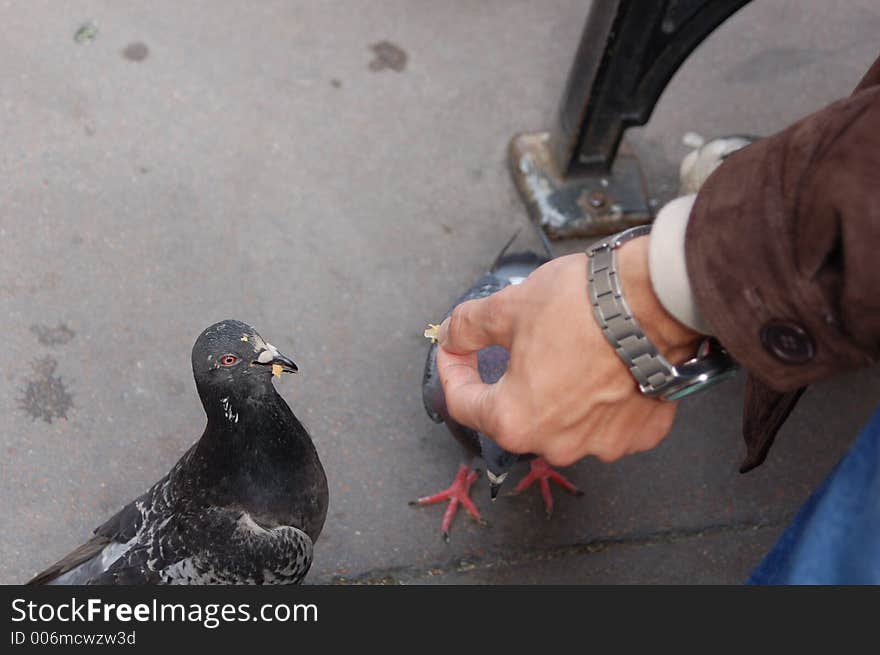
[{"x": 335, "y": 174}]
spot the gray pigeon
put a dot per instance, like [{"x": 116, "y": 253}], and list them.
[
  {"x": 507, "y": 269},
  {"x": 244, "y": 504}
]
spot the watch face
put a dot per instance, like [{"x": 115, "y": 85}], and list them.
[{"x": 700, "y": 385}]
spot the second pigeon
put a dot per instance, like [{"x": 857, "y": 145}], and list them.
[{"x": 244, "y": 505}]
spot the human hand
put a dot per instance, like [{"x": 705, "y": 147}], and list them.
[{"x": 566, "y": 393}]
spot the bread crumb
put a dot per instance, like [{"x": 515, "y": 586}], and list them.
[{"x": 432, "y": 332}]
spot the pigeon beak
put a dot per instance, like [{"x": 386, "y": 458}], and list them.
[
  {"x": 495, "y": 482},
  {"x": 285, "y": 363},
  {"x": 271, "y": 357}
]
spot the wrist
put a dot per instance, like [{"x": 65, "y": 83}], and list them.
[
  {"x": 673, "y": 339},
  {"x": 667, "y": 261}
]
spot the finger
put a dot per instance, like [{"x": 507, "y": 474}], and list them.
[
  {"x": 469, "y": 400},
  {"x": 479, "y": 323}
]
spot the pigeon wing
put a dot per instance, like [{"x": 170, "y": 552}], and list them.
[
  {"x": 215, "y": 546},
  {"x": 259, "y": 555},
  {"x": 84, "y": 553},
  {"x": 111, "y": 539}
]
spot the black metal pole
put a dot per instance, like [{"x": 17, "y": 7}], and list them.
[
  {"x": 629, "y": 51},
  {"x": 572, "y": 178}
]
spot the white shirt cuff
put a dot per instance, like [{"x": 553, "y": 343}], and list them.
[{"x": 668, "y": 267}]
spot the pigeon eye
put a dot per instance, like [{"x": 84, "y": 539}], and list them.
[{"x": 228, "y": 360}]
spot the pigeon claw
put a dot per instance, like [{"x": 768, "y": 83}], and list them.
[
  {"x": 544, "y": 473},
  {"x": 458, "y": 493}
]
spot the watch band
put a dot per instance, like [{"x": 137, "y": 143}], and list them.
[
  {"x": 651, "y": 370},
  {"x": 653, "y": 373}
]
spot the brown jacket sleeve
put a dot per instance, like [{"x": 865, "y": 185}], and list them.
[{"x": 783, "y": 247}]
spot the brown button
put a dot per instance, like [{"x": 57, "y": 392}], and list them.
[{"x": 788, "y": 342}]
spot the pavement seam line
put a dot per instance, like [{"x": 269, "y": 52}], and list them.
[{"x": 400, "y": 574}]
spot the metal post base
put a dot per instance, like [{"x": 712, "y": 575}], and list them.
[
  {"x": 581, "y": 206},
  {"x": 573, "y": 179}
]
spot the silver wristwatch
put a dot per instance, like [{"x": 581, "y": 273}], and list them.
[{"x": 653, "y": 373}]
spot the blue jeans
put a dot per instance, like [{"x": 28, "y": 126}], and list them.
[{"x": 835, "y": 537}]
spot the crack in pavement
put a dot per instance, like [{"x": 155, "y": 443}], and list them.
[{"x": 404, "y": 574}]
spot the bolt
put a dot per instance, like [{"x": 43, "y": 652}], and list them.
[{"x": 597, "y": 199}]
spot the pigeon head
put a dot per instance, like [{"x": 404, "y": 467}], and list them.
[{"x": 231, "y": 357}]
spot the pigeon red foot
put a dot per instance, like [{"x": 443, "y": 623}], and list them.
[
  {"x": 544, "y": 473},
  {"x": 457, "y": 493}
]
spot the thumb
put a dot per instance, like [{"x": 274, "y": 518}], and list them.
[{"x": 479, "y": 323}]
